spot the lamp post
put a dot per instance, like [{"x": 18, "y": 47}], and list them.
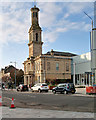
[
  {"x": 91, "y": 48},
  {"x": 74, "y": 73},
  {"x": 15, "y": 73}
]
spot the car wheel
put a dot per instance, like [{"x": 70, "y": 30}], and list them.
[
  {"x": 73, "y": 92},
  {"x": 32, "y": 90},
  {"x": 65, "y": 92},
  {"x": 39, "y": 91},
  {"x": 54, "y": 92},
  {"x": 21, "y": 90},
  {"x": 17, "y": 90}
]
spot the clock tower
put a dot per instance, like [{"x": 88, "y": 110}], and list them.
[{"x": 35, "y": 42}]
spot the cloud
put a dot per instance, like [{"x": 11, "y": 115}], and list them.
[
  {"x": 66, "y": 15},
  {"x": 76, "y": 7},
  {"x": 54, "y": 19},
  {"x": 14, "y": 23},
  {"x": 54, "y": 23},
  {"x": 49, "y": 13},
  {"x": 49, "y": 1}
]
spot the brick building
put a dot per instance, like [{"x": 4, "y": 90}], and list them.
[{"x": 40, "y": 67}]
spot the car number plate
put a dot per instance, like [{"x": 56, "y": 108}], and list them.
[{"x": 45, "y": 87}]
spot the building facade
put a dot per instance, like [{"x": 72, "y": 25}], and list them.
[
  {"x": 81, "y": 69},
  {"x": 40, "y": 67}
]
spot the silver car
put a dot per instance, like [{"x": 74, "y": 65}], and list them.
[{"x": 40, "y": 87}]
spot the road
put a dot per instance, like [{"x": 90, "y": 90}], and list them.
[{"x": 49, "y": 101}]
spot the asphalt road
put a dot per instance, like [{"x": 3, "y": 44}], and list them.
[
  {"x": 49, "y": 101},
  {"x": 47, "y": 118}
]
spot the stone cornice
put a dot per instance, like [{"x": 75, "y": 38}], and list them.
[
  {"x": 35, "y": 42},
  {"x": 34, "y": 28}
]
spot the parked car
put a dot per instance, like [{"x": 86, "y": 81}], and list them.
[
  {"x": 64, "y": 88},
  {"x": 40, "y": 87},
  {"x": 22, "y": 87}
]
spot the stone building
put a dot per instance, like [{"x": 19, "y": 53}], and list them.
[
  {"x": 40, "y": 67},
  {"x": 7, "y": 72}
]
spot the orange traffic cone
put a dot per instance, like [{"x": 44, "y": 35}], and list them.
[{"x": 12, "y": 103}]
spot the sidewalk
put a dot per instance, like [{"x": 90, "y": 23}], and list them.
[{"x": 41, "y": 113}]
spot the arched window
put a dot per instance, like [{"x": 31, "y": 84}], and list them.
[
  {"x": 35, "y": 14},
  {"x": 57, "y": 66},
  {"x": 36, "y": 36}
]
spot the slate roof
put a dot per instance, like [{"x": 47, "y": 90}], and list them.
[{"x": 57, "y": 53}]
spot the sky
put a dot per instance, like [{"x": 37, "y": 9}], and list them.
[{"x": 65, "y": 28}]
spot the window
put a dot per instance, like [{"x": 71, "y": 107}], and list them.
[
  {"x": 28, "y": 66},
  {"x": 36, "y": 36},
  {"x": 29, "y": 37},
  {"x": 61, "y": 85},
  {"x": 48, "y": 65},
  {"x": 57, "y": 66},
  {"x": 25, "y": 69},
  {"x": 67, "y": 66},
  {"x": 34, "y": 14}
]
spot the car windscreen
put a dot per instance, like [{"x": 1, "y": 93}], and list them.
[
  {"x": 61, "y": 85},
  {"x": 71, "y": 85},
  {"x": 44, "y": 84}
]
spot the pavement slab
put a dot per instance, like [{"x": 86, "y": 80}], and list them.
[{"x": 42, "y": 113}]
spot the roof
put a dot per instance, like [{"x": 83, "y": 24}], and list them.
[
  {"x": 57, "y": 53},
  {"x": 9, "y": 68}
]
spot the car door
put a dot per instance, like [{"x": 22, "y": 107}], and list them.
[
  {"x": 38, "y": 86},
  {"x": 34, "y": 87},
  {"x": 60, "y": 88}
]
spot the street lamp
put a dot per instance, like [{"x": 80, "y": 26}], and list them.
[
  {"x": 15, "y": 73},
  {"x": 91, "y": 47},
  {"x": 89, "y": 18},
  {"x": 74, "y": 72}
]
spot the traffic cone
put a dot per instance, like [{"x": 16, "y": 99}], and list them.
[
  {"x": 0, "y": 101},
  {"x": 12, "y": 103}
]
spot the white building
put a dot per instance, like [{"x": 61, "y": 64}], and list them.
[{"x": 81, "y": 71}]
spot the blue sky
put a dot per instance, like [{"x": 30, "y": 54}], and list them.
[{"x": 64, "y": 24}]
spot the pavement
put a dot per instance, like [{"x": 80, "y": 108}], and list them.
[{"x": 42, "y": 113}]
